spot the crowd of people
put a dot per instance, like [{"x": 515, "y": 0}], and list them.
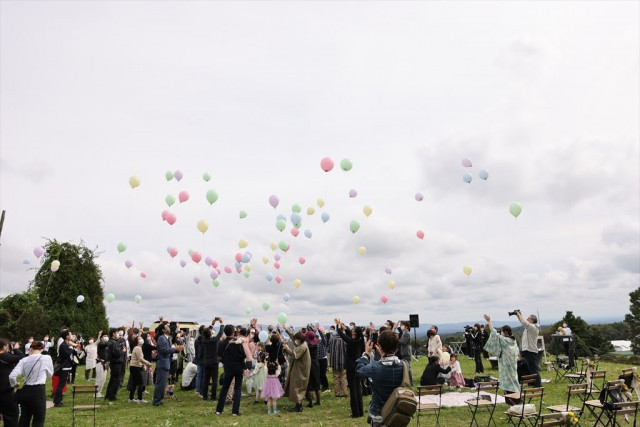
[{"x": 270, "y": 362}]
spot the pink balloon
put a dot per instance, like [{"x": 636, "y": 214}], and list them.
[
  {"x": 384, "y": 299},
  {"x": 288, "y": 247},
  {"x": 183, "y": 263},
  {"x": 128, "y": 263},
  {"x": 420, "y": 234},
  {"x": 143, "y": 275},
  {"x": 173, "y": 252},
  {"x": 196, "y": 279},
  {"x": 208, "y": 260},
  {"x": 164, "y": 215},
  {"x": 276, "y": 257},
  {"x": 466, "y": 163},
  {"x": 278, "y": 279},
  {"x": 326, "y": 164},
  {"x": 171, "y": 218},
  {"x": 196, "y": 257},
  {"x": 238, "y": 270},
  {"x": 214, "y": 274},
  {"x": 353, "y": 193},
  {"x": 274, "y": 201},
  {"x": 419, "y": 197},
  {"x": 177, "y": 175},
  {"x": 238, "y": 257},
  {"x": 38, "y": 251},
  {"x": 183, "y": 196},
  {"x": 218, "y": 270},
  {"x": 301, "y": 260},
  {"x": 227, "y": 269},
  {"x": 276, "y": 264},
  {"x": 295, "y": 232},
  {"x": 214, "y": 264},
  {"x": 387, "y": 270}
]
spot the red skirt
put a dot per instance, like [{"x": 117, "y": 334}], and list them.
[{"x": 54, "y": 384}]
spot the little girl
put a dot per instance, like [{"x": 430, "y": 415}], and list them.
[
  {"x": 272, "y": 390},
  {"x": 456, "y": 380},
  {"x": 258, "y": 375}
]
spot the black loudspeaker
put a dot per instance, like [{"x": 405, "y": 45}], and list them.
[{"x": 413, "y": 321}]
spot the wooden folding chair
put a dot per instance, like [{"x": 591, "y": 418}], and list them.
[
  {"x": 625, "y": 410},
  {"x": 596, "y": 382},
  {"x": 556, "y": 419},
  {"x": 631, "y": 382},
  {"x": 595, "y": 406},
  {"x": 430, "y": 390},
  {"x": 525, "y": 381},
  {"x": 84, "y": 389},
  {"x": 562, "y": 368},
  {"x": 524, "y": 417},
  {"x": 486, "y": 401},
  {"x": 577, "y": 377},
  {"x": 579, "y": 390}
]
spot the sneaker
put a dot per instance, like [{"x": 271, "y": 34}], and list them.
[
  {"x": 99, "y": 395},
  {"x": 133, "y": 400},
  {"x": 236, "y": 415},
  {"x": 218, "y": 413},
  {"x": 275, "y": 411},
  {"x": 142, "y": 401},
  {"x": 268, "y": 411},
  {"x": 145, "y": 392},
  {"x": 58, "y": 405}
]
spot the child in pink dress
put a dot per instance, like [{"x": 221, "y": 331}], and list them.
[
  {"x": 272, "y": 390},
  {"x": 456, "y": 380}
]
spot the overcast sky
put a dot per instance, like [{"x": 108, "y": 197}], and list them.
[{"x": 544, "y": 96}]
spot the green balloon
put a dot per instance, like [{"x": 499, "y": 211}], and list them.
[
  {"x": 282, "y": 318},
  {"x": 515, "y": 209},
  {"x": 280, "y": 224},
  {"x": 216, "y": 283},
  {"x": 168, "y": 175},
  {"x": 170, "y": 199},
  {"x": 243, "y": 214},
  {"x": 283, "y": 245},
  {"x": 137, "y": 299},
  {"x": 247, "y": 311},
  {"x": 296, "y": 208},
  {"x": 266, "y": 305},
  {"x": 212, "y": 196},
  {"x": 246, "y": 274},
  {"x": 206, "y": 176},
  {"x": 190, "y": 251},
  {"x": 111, "y": 298},
  {"x": 122, "y": 247},
  {"x": 346, "y": 165},
  {"x": 354, "y": 226}
]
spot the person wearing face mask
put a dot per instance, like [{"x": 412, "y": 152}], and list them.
[
  {"x": 115, "y": 356},
  {"x": 47, "y": 344},
  {"x": 92, "y": 353},
  {"x": 355, "y": 347},
  {"x": 8, "y": 361},
  {"x": 101, "y": 362},
  {"x": 28, "y": 344},
  {"x": 298, "y": 379},
  {"x": 404, "y": 332},
  {"x": 136, "y": 366}
]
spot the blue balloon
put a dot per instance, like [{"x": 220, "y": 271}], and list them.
[
  {"x": 263, "y": 336},
  {"x": 282, "y": 217},
  {"x": 296, "y": 219},
  {"x": 246, "y": 258},
  {"x": 285, "y": 297},
  {"x": 269, "y": 276},
  {"x": 26, "y": 261},
  {"x": 325, "y": 216},
  {"x": 483, "y": 174},
  {"x": 467, "y": 178},
  {"x": 238, "y": 265},
  {"x": 308, "y": 233}
]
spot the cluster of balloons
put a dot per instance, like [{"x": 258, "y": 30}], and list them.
[{"x": 466, "y": 177}]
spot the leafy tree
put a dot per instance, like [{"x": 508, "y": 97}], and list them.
[
  {"x": 21, "y": 316},
  {"x": 57, "y": 292},
  {"x": 633, "y": 320}
]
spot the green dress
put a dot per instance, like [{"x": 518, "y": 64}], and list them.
[{"x": 507, "y": 351}]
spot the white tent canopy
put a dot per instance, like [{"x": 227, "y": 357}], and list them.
[{"x": 621, "y": 345}]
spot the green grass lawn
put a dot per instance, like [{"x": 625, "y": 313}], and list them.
[{"x": 187, "y": 409}]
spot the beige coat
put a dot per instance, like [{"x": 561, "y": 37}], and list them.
[{"x": 298, "y": 378}]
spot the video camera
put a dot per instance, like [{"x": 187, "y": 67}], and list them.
[{"x": 514, "y": 312}]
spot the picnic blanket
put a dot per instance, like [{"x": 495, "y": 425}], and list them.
[{"x": 455, "y": 398}]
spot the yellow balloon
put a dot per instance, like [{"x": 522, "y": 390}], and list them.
[
  {"x": 297, "y": 283},
  {"x": 355, "y": 299},
  {"x": 203, "y": 226},
  {"x": 467, "y": 270},
  {"x": 243, "y": 243},
  {"x": 310, "y": 210},
  {"x": 367, "y": 210},
  {"x": 265, "y": 260},
  {"x": 247, "y": 267},
  {"x": 273, "y": 246},
  {"x": 362, "y": 250},
  {"x": 320, "y": 203},
  {"x": 391, "y": 284},
  {"x": 134, "y": 181}
]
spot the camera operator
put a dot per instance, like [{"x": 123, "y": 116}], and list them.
[
  {"x": 529, "y": 343},
  {"x": 468, "y": 341}
]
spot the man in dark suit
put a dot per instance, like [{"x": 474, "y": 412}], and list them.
[
  {"x": 115, "y": 356},
  {"x": 165, "y": 352}
]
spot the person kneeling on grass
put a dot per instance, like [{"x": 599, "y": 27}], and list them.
[
  {"x": 431, "y": 371},
  {"x": 386, "y": 373}
]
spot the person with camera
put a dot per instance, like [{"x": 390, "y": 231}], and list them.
[
  {"x": 478, "y": 344},
  {"x": 10, "y": 355},
  {"x": 163, "y": 364},
  {"x": 355, "y": 346},
  {"x": 529, "y": 343}
]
